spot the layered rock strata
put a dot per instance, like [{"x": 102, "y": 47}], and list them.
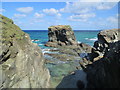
[
  {"x": 60, "y": 35},
  {"x": 21, "y": 61}
]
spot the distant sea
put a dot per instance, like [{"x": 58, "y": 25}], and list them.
[{"x": 85, "y": 36}]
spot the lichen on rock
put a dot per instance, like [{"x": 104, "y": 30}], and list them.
[{"x": 21, "y": 60}]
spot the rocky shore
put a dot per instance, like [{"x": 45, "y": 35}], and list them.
[
  {"x": 21, "y": 61},
  {"x": 104, "y": 69},
  {"x": 68, "y": 64},
  {"x": 105, "y": 72},
  {"x": 65, "y": 59}
]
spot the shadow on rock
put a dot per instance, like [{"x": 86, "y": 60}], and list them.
[{"x": 77, "y": 80}]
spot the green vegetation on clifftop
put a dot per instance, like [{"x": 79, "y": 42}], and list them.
[{"x": 10, "y": 30}]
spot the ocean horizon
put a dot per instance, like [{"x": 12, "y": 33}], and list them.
[
  {"x": 73, "y": 30},
  {"x": 82, "y": 36}
]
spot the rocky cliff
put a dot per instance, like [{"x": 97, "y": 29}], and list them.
[
  {"x": 21, "y": 61},
  {"x": 105, "y": 72},
  {"x": 60, "y": 35},
  {"x": 106, "y": 37}
]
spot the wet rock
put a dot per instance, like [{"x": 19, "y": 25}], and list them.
[{"x": 61, "y": 63}]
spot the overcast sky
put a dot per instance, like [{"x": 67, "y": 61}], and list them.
[{"x": 80, "y": 15}]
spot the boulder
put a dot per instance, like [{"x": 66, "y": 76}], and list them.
[{"x": 21, "y": 61}]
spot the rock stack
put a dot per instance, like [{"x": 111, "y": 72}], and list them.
[{"x": 60, "y": 35}]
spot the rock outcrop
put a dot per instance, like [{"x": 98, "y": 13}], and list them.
[
  {"x": 66, "y": 54},
  {"x": 105, "y": 71},
  {"x": 21, "y": 61},
  {"x": 106, "y": 37},
  {"x": 60, "y": 35}
]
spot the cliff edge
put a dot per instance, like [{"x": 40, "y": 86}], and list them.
[{"x": 21, "y": 61}]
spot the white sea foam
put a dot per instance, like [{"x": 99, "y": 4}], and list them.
[
  {"x": 92, "y": 39},
  {"x": 40, "y": 44},
  {"x": 78, "y": 41},
  {"x": 35, "y": 40},
  {"x": 45, "y": 50},
  {"x": 48, "y": 51},
  {"x": 86, "y": 38}
]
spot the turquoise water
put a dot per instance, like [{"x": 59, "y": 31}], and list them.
[
  {"x": 58, "y": 68},
  {"x": 88, "y": 37}
]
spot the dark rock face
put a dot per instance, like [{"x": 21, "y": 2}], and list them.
[
  {"x": 85, "y": 47},
  {"x": 105, "y": 72},
  {"x": 104, "y": 38},
  {"x": 21, "y": 61},
  {"x": 60, "y": 35}
]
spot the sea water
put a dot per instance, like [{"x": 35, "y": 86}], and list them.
[
  {"x": 59, "y": 69},
  {"x": 41, "y": 37}
]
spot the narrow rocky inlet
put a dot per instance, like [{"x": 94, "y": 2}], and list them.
[
  {"x": 64, "y": 56},
  {"x": 68, "y": 64}
]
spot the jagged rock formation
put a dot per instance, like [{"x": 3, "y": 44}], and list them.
[
  {"x": 60, "y": 35},
  {"x": 105, "y": 37},
  {"x": 67, "y": 52},
  {"x": 104, "y": 72},
  {"x": 21, "y": 61}
]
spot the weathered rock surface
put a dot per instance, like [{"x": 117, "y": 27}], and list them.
[
  {"x": 104, "y": 72},
  {"x": 21, "y": 61},
  {"x": 66, "y": 57},
  {"x": 60, "y": 35},
  {"x": 106, "y": 37}
]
